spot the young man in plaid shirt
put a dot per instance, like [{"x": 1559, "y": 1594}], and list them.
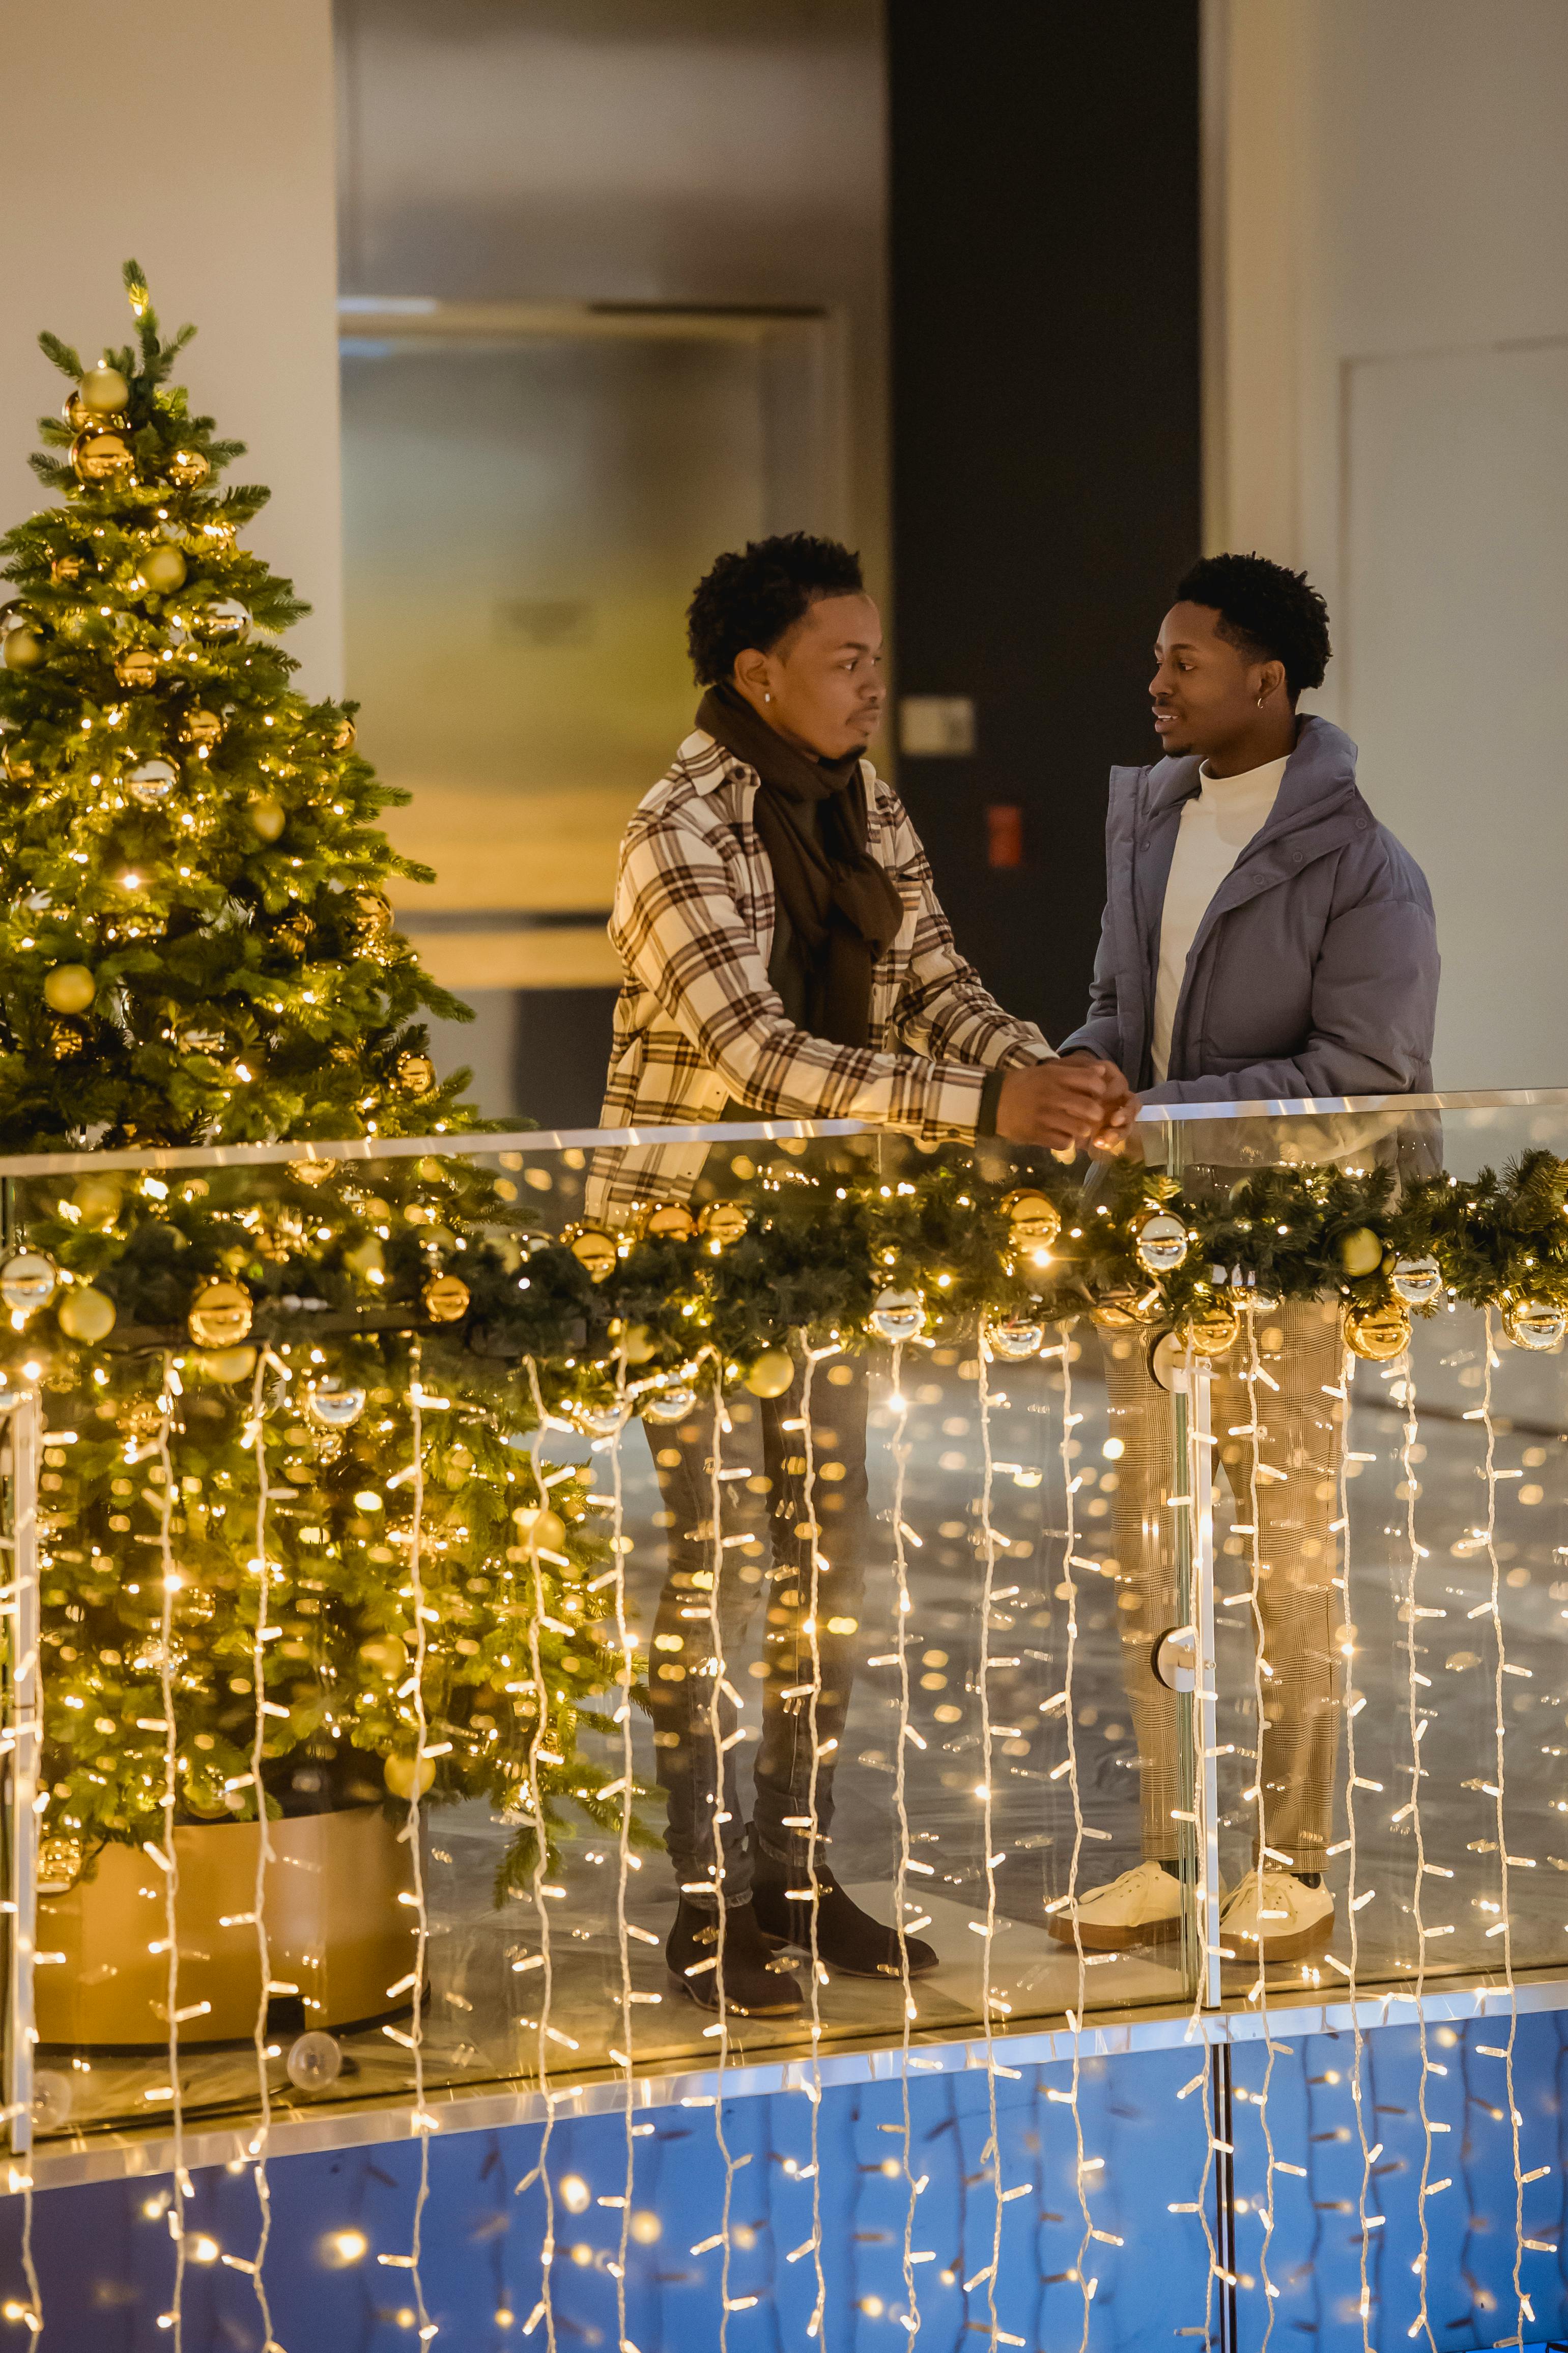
[{"x": 786, "y": 957}]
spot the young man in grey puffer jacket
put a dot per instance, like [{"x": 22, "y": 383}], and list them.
[{"x": 1264, "y": 938}]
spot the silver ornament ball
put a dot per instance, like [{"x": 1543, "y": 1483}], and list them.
[
  {"x": 28, "y": 1281},
  {"x": 899, "y": 1315},
  {"x": 1416, "y": 1281},
  {"x": 1015, "y": 1337},
  {"x": 1161, "y": 1243},
  {"x": 335, "y": 1404}
]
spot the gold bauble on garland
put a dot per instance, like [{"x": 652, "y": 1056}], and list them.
[
  {"x": 445, "y": 1298},
  {"x": 226, "y": 1366},
  {"x": 593, "y": 1250},
  {"x": 771, "y": 1374},
  {"x": 1418, "y": 1282},
  {"x": 1033, "y": 1222},
  {"x": 415, "y": 1073},
  {"x": 371, "y": 917},
  {"x": 17, "y": 763},
  {"x": 341, "y": 736},
  {"x": 1360, "y": 1251},
  {"x": 221, "y": 1315},
  {"x": 1123, "y": 1311},
  {"x": 87, "y": 1315},
  {"x": 667, "y": 1221},
  {"x": 1210, "y": 1330},
  {"x": 268, "y": 817},
  {"x": 23, "y": 647},
  {"x": 898, "y": 1315},
  {"x": 97, "y": 1202},
  {"x": 222, "y": 622},
  {"x": 385, "y": 1656},
  {"x": 1377, "y": 1334},
  {"x": 723, "y": 1222},
  {"x": 150, "y": 782}
]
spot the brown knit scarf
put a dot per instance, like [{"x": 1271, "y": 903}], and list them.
[{"x": 842, "y": 905}]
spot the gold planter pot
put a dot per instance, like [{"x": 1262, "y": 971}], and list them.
[{"x": 337, "y": 1933}]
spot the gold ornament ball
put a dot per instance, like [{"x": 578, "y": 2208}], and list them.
[
  {"x": 593, "y": 1250},
  {"x": 199, "y": 1039},
  {"x": 268, "y": 817},
  {"x": 637, "y": 1341},
  {"x": 1032, "y": 1219},
  {"x": 226, "y": 1366},
  {"x": 1534, "y": 1323},
  {"x": 103, "y": 391},
  {"x": 665, "y": 1221},
  {"x": 97, "y": 1199},
  {"x": 70, "y": 989},
  {"x": 74, "y": 414},
  {"x": 1361, "y": 1252},
  {"x": 445, "y": 1298},
  {"x": 221, "y": 1315},
  {"x": 366, "y": 1258},
  {"x": 18, "y": 767},
  {"x": 341, "y": 735},
  {"x": 137, "y": 669},
  {"x": 87, "y": 1315},
  {"x": 294, "y": 936},
  {"x": 200, "y": 729},
  {"x": 99, "y": 456},
  {"x": 163, "y": 569},
  {"x": 416, "y": 1073},
  {"x": 187, "y": 469},
  {"x": 408, "y": 1774},
  {"x": 60, "y": 1865},
  {"x": 542, "y": 1528},
  {"x": 1377, "y": 1334},
  {"x": 1162, "y": 1242},
  {"x": 771, "y": 1374},
  {"x": 1211, "y": 1331},
  {"x": 67, "y": 1039},
  {"x": 386, "y": 1655},
  {"x": 29, "y": 1281},
  {"x": 335, "y": 1404},
  {"x": 204, "y": 1796},
  {"x": 1123, "y": 1311},
  {"x": 66, "y": 568},
  {"x": 24, "y": 647},
  {"x": 723, "y": 1222},
  {"x": 370, "y": 914}
]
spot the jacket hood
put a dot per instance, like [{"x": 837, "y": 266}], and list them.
[{"x": 1319, "y": 779}]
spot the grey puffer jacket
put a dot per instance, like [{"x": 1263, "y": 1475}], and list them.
[{"x": 1314, "y": 970}]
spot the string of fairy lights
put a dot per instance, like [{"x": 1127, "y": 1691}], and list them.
[{"x": 993, "y": 2008}]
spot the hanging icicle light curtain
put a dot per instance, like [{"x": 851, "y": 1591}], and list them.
[{"x": 344, "y": 1525}]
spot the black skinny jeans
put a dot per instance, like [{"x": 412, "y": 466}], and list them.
[{"x": 764, "y": 1547}]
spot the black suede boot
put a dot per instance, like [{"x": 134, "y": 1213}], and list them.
[
  {"x": 754, "y": 1986},
  {"x": 847, "y": 1938}
]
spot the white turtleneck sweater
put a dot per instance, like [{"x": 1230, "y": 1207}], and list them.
[{"x": 1216, "y": 825}]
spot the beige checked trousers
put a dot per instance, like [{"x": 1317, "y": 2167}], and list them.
[{"x": 1301, "y": 1432}]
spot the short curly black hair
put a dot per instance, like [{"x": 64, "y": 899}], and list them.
[
  {"x": 752, "y": 599},
  {"x": 1270, "y": 613}
]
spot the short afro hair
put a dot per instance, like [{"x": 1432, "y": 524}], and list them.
[
  {"x": 754, "y": 599},
  {"x": 1268, "y": 613}
]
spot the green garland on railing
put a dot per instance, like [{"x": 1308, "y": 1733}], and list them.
[{"x": 361, "y": 1281}]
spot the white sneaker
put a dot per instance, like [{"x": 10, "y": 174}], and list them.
[
  {"x": 1273, "y": 1914},
  {"x": 1143, "y": 1904}
]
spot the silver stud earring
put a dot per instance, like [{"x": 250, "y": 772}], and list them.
[{"x": 1261, "y": 700}]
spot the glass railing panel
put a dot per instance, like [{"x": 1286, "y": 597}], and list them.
[{"x": 1019, "y": 1484}]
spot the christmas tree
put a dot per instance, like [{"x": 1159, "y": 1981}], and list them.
[
  {"x": 259, "y": 1368},
  {"x": 196, "y": 945}
]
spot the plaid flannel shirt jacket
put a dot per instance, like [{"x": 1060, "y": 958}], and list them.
[{"x": 697, "y": 1024}]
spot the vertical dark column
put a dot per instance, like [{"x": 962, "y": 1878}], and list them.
[{"x": 1045, "y": 440}]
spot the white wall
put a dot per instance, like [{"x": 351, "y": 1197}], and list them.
[
  {"x": 201, "y": 140},
  {"x": 1388, "y": 406}
]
